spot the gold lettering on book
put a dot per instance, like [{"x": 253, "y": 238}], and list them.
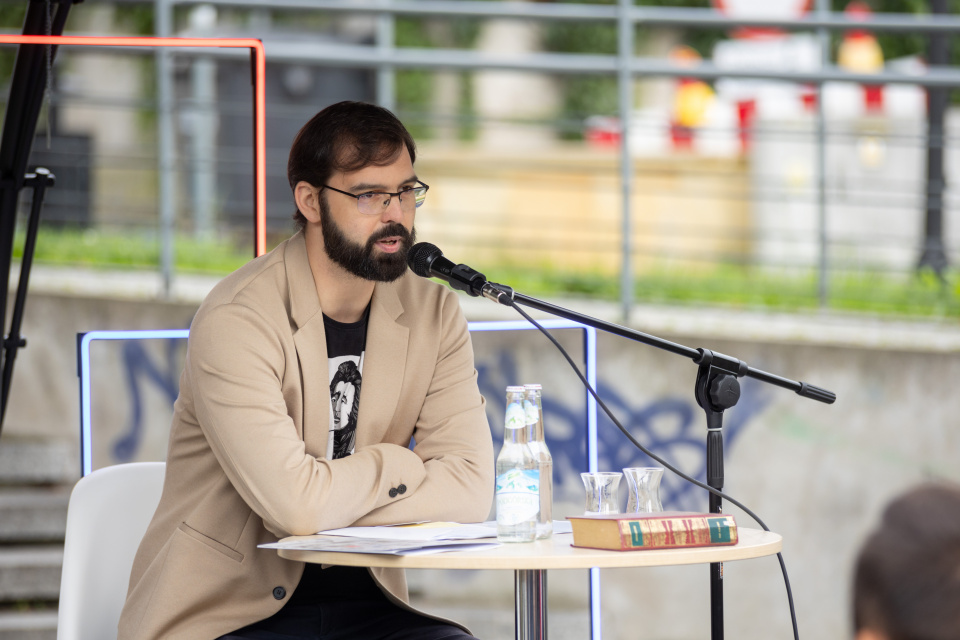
[
  {"x": 688, "y": 528},
  {"x": 670, "y": 538}
]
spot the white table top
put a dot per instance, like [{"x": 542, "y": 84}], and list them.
[{"x": 552, "y": 553}]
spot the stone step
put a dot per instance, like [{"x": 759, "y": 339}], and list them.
[
  {"x": 28, "y": 625},
  {"x": 33, "y": 514},
  {"x": 30, "y": 572},
  {"x": 25, "y": 461}
]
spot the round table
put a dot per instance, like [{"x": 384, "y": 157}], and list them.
[{"x": 530, "y": 560}]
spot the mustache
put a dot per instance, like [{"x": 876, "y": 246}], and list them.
[{"x": 394, "y": 229}]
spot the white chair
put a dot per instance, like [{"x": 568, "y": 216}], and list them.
[{"x": 108, "y": 514}]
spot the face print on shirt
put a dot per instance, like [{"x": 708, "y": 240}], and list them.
[{"x": 344, "y": 406}]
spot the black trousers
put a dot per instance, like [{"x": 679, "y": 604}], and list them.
[{"x": 368, "y": 619}]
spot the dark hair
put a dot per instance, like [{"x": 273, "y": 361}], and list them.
[
  {"x": 346, "y": 372},
  {"x": 907, "y": 579},
  {"x": 345, "y": 136}
]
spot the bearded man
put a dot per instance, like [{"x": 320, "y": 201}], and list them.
[{"x": 271, "y": 436}]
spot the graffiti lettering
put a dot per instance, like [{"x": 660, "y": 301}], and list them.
[{"x": 141, "y": 371}]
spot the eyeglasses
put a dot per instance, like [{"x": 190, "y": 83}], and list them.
[{"x": 374, "y": 203}]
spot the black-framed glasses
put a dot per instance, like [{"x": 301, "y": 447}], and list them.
[{"x": 374, "y": 203}]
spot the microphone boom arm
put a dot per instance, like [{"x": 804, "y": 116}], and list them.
[{"x": 699, "y": 356}]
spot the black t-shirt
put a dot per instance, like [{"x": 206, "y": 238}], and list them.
[{"x": 345, "y": 346}]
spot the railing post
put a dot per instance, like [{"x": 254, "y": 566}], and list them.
[
  {"x": 386, "y": 42},
  {"x": 625, "y": 106},
  {"x": 166, "y": 182},
  {"x": 822, "y": 8}
]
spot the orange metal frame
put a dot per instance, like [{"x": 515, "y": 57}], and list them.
[{"x": 259, "y": 97}]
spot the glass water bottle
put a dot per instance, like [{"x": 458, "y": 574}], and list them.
[
  {"x": 534, "y": 415},
  {"x": 518, "y": 475}
]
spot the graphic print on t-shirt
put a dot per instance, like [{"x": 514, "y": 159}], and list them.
[
  {"x": 345, "y": 344},
  {"x": 345, "y": 382}
]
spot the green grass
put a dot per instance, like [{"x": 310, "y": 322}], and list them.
[
  {"x": 104, "y": 249},
  {"x": 725, "y": 285},
  {"x": 744, "y": 287},
  {"x": 754, "y": 288}
]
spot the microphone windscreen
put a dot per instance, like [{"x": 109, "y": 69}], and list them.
[{"x": 421, "y": 256}]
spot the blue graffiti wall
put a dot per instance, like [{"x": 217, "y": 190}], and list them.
[{"x": 672, "y": 426}]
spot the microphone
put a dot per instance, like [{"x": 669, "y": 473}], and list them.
[{"x": 427, "y": 261}]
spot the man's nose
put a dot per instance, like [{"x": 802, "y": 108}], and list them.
[{"x": 393, "y": 211}]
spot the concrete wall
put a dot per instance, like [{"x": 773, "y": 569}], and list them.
[{"x": 817, "y": 474}]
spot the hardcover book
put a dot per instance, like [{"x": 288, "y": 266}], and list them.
[{"x": 665, "y": 530}]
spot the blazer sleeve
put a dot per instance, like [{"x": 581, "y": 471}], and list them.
[
  {"x": 236, "y": 363},
  {"x": 452, "y": 437}
]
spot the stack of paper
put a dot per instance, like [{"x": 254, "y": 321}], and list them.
[
  {"x": 408, "y": 539},
  {"x": 404, "y": 539}
]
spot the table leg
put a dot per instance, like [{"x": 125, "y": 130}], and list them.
[{"x": 530, "y": 604}]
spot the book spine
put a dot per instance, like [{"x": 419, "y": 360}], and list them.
[{"x": 668, "y": 533}]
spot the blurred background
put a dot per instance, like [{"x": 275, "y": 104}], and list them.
[
  {"x": 724, "y": 174},
  {"x": 524, "y": 165}
]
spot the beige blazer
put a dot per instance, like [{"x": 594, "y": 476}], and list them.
[{"x": 247, "y": 444}]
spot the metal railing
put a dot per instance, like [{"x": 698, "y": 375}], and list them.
[{"x": 386, "y": 58}]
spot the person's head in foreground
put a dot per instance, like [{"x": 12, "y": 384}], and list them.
[{"x": 907, "y": 578}]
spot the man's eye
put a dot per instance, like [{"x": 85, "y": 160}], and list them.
[{"x": 368, "y": 197}]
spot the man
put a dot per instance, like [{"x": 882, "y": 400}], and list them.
[
  {"x": 271, "y": 435},
  {"x": 907, "y": 578}
]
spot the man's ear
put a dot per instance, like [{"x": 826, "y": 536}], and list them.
[{"x": 308, "y": 200}]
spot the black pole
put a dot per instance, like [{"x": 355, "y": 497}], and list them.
[
  {"x": 717, "y": 389},
  {"x": 27, "y": 88},
  {"x": 38, "y": 181},
  {"x": 933, "y": 254}
]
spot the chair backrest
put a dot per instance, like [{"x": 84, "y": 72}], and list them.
[{"x": 108, "y": 514}]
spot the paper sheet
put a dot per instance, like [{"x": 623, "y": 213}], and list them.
[
  {"x": 406, "y": 539},
  {"x": 342, "y": 544},
  {"x": 420, "y": 531}
]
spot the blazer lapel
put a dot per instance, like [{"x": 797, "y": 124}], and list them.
[
  {"x": 384, "y": 361},
  {"x": 311, "y": 343}
]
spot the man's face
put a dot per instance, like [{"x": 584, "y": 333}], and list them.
[
  {"x": 342, "y": 399},
  {"x": 372, "y": 247}
]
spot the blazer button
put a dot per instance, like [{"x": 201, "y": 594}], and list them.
[
  {"x": 401, "y": 489},
  {"x": 279, "y": 593},
  {"x": 392, "y": 492}
]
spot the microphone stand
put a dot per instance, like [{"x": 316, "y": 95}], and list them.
[{"x": 717, "y": 388}]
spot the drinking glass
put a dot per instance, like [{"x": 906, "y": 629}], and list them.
[
  {"x": 602, "y": 491},
  {"x": 643, "y": 483}
]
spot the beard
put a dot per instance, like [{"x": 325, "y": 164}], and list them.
[{"x": 359, "y": 259}]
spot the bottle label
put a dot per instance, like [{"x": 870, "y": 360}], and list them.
[
  {"x": 531, "y": 411},
  {"x": 514, "y": 418},
  {"x": 518, "y": 496}
]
